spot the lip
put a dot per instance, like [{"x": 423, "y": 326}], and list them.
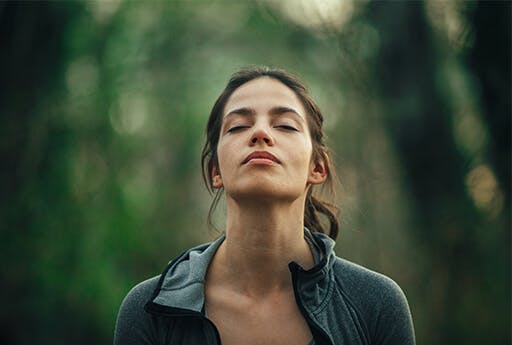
[{"x": 261, "y": 157}]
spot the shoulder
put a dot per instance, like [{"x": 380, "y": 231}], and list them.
[
  {"x": 357, "y": 279},
  {"x": 134, "y": 325},
  {"x": 142, "y": 291},
  {"x": 378, "y": 300}
]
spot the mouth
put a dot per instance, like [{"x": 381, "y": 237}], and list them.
[{"x": 261, "y": 157}]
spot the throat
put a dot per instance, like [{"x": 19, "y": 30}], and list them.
[
  {"x": 275, "y": 319},
  {"x": 260, "y": 269}
]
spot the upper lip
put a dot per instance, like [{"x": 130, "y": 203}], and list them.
[{"x": 261, "y": 154}]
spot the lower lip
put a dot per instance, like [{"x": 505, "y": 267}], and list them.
[{"x": 261, "y": 161}]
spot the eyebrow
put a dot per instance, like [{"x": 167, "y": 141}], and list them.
[{"x": 279, "y": 110}]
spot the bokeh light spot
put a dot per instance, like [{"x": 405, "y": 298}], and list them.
[{"x": 484, "y": 190}]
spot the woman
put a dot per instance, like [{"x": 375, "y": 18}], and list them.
[{"x": 273, "y": 278}]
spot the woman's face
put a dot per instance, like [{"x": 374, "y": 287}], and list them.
[{"x": 265, "y": 148}]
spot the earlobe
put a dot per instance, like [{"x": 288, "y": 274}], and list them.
[{"x": 216, "y": 178}]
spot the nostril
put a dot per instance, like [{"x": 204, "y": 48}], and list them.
[{"x": 254, "y": 140}]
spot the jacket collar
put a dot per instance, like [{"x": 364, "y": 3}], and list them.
[{"x": 181, "y": 285}]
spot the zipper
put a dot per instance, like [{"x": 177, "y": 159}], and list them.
[
  {"x": 171, "y": 312},
  {"x": 295, "y": 269}
]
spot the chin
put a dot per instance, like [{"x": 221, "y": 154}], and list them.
[{"x": 263, "y": 191}]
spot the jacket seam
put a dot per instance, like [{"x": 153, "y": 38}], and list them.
[{"x": 365, "y": 332}]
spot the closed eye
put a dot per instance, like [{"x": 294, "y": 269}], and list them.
[
  {"x": 287, "y": 127},
  {"x": 236, "y": 128}
]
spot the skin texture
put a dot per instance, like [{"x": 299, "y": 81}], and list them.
[{"x": 249, "y": 293}]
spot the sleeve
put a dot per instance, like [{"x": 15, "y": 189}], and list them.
[
  {"x": 394, "y": 323},
  {"x": 134, "y": 326}
]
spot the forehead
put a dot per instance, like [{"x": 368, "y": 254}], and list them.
[{"x": 262, "y": 93}]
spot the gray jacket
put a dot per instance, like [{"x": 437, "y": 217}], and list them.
[{"x": 343, "y": 303}]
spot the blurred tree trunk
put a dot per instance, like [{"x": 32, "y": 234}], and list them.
[
  {"x": 35, "y": 212},
  {"x": 490, "y": 59},
  {"x": 29, "y": 41},
  {"x": 456, "y": 300}
]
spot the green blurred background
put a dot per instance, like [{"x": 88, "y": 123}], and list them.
[{"x": 103, "y": 107}]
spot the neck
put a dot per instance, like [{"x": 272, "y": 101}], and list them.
[{"x": 261, "y": 240}]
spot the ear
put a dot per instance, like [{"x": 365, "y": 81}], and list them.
[
  {"x": 216, "y": 178},
  {"x": 317, "y": 173}
]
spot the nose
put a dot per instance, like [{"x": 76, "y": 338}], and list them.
[{"x": 261, "y": 136}]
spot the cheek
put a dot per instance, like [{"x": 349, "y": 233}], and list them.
[
  {"x": 223, "y": 157},
  {"x": 305, "y": 150},
  {"x": 302, "y": 158}
]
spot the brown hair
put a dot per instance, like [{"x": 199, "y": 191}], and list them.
[{"x": 315, "y": 120}]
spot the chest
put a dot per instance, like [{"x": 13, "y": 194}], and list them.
[{"x": 274, "y": 321}]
